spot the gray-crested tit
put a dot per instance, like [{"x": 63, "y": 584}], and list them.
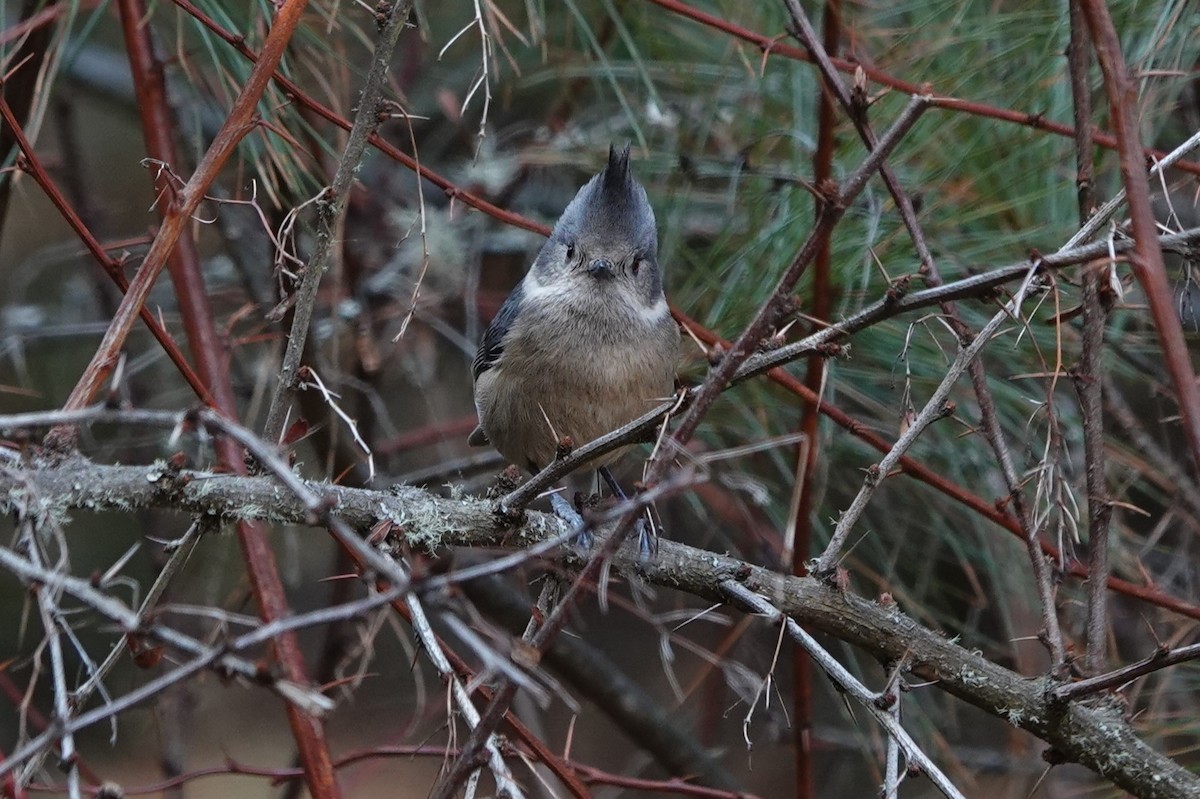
[{"x": 585, "y": 343}]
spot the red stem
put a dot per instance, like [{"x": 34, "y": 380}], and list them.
[
  {"x": 237, "y": 124},
  {"x": 209, "y": 352},
  {"x": 810, "y": 418},
  {"x": 32, "y": 165},
  {"x": 771, "y": 46},
  {"x": 921, "y": 472},
  {"x": 1146, "y": 258}
]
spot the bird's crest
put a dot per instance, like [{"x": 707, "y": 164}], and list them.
[{"x": 617, "y": 180}]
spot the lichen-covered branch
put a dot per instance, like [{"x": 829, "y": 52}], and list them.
[{"x": 1093, "y": 732}]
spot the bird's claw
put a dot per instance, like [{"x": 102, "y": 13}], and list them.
[
  {"x": 563, "y": 510},
  {"x": 647, "y": 540},
  {"x": 584, "y": 538}
]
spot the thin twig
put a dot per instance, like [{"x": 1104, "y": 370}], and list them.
[
  {"x": 505, "y": 785},
  {"x": 1161, "y": 659},
  {"x": 183, "y": 263},
  {"x": 1087, "y": 375},
  {"x": 182, "y": 549},
  {"x": 331, "y": 209},
  {"x": 769, "y": 45},
  {"x": 974, "y": 286},
  {"x": 1147, "y": 260},
  {"x": 1098, "y": 219},
  {"x": 47, "y": 602},
  {"x": 845, "y": 681},
  {"x": 237, "y": 124},
  {"x": 891, "y": 769}
]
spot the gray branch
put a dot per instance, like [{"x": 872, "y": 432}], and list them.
[
  {"x": 1091, "y": 732},
  {"x": 366, "y": 120}
]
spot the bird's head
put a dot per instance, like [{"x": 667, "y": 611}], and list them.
[{"x": 605, "y": 240}]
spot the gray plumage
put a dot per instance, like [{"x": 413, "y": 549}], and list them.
[{"x": 585, "y": 343}]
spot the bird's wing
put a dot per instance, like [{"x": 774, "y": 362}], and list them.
[{"x": 492, "y": 345}]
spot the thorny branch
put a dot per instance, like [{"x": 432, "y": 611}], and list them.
[
  {"x": 1088, "y": 373},
  {"x": 1094, "y": 735},
  {"x": 934, "y": 409},
  {"x": 332, "y": 206},
  {"x": 212, "y": 359},
  {"x": 870, "y": 700},
  {"x": 989, "y": 419},
  {"x": 1116, "y": 679},
  {"x": 1101, "y": 215}
]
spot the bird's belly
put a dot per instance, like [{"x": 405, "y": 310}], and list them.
[{"x": 537, "y": 400}]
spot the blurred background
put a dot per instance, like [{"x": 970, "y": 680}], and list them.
[{"x": 517, "y": 103}]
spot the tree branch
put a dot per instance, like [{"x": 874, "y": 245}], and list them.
[
  {"x": 237, "y": 124},
  {"x": 1091, "y": 733},
  {"x": 331, "y": 207},
  {"x": 1147, "y": 260}
]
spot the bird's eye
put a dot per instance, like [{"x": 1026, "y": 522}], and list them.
[{"x": 570, "y": 252}]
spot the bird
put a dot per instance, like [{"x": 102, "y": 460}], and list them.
[{"x": 585, "y": 343}]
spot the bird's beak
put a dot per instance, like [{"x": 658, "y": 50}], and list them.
[{"x": 602, "y": 269}]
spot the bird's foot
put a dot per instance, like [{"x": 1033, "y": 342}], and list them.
[
  {"x": 563, "y": 510},
  {"x": 647, "y": 539}
]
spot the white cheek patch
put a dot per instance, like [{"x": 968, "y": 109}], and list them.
[
  {"x": 655, "y": 312},
  {"x": 534, "y": 291}
]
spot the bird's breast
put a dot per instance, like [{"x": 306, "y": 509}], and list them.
[{"x": 576, "y": 372}]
